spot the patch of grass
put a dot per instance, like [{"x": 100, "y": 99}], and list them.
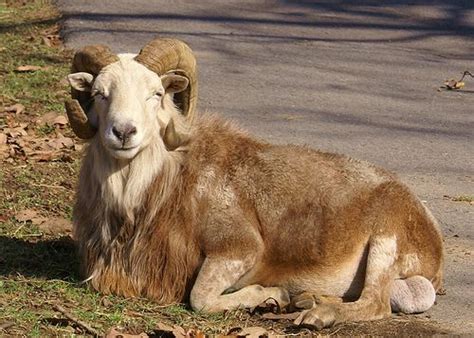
[
  {"x": 23, "y": 30},
  {"x": 45, "y": 129},
  {"x": 463, "y": 198}
]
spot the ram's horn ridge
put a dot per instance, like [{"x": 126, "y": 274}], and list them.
[
  {"x": 78, "y": 120},
  {"x": 162, "y": 55},
  {"x": 90, "y": 59},
  {"x": 172, "y": 139}
]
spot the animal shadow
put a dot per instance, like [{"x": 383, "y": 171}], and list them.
[{"x": 50, "y": 258}]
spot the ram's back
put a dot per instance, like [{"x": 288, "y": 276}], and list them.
[{"x": 283, "y": 188}]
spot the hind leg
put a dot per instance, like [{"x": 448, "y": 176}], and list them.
[{"x": 374, "y": 301}]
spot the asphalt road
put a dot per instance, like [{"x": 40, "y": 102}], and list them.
[{"x": 344, "y": 76}]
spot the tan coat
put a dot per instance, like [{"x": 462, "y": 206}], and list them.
[{"x": 230, "y": 213}]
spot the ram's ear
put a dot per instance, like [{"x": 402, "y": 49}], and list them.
[
  {"x": 81, "y": 82},
  {"x": 173, "y": 83}
]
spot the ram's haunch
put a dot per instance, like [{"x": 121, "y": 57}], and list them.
[{"x": 174, "y": 208}]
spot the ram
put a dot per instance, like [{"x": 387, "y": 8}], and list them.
[{"x": 175, "y": 206}]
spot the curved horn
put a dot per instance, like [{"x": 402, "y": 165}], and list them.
[
  {"x": 172, "y": 139},
  {"x": 90, "y": 59},
  {"x": 78, "y": 120},
  {"x": 163, "y": 55}
]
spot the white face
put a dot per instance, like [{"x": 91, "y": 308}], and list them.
[{"x": 127, "y": 101}]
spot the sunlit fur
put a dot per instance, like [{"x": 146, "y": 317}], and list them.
[{"x": 287, "y": 218}]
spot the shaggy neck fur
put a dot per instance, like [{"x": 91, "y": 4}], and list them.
[{"x": 126, "y": 227}]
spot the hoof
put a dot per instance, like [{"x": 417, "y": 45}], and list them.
[{"x": 318, "y": 318}]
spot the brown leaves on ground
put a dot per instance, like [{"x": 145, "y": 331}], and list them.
[
  {"x": 17, "y": 108},
  {"x": 20, "y": 140},
  {"x": 46, "y": 225},
  {"x": 161, "y": 330},
  {"x": 50, "y": 36},
  {"x": 453, "y": 84},
  {"x": 29, "y": 68},
  {"x": 115, "y": 333}
]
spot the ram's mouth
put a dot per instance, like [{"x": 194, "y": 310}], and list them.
[
  {"x": 124, "y": 148},
  {"x": 124, "y": 153}
]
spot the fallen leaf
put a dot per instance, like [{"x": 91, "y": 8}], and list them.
[
  {"x": 3, "y": 138},
  {"x": 51, "y": 40},
  {"x": 60, "y": 120},
  {"x": 29, "y": 215},
  {"x": 252, "y": 331},
  {"x": 51, "y": 118},
  {"x": 61, "y": 142},
  {"x": 43, "y": 156},
  {"x": 270, "y": 305},
  {"x": 281, "y": 316},
  {"x": 114, "y": 333},
  {"x": 78, "y": 147},
  {"x": 163, "y": 329},
  {"x": 29, "y": 68},
  {"x": 47, "y": 41},
  {"x": 15, "y": 132},
  {"x": 195, "y": 334},
  {"x": 453, "y": 84},
  {"x": 17, "y": 108},
  {"x": 55, "y": 225}
]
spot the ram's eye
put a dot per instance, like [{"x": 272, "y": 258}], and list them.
[
  {"x": 156, "y": 95},
  {"x": 99, "y": 95}
]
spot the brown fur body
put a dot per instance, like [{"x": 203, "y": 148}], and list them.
[{"x": 305, "y": 219}]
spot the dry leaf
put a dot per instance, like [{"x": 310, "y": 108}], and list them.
[
  {"x": 252, "y": 331},
  {"x": 78, "y": 147},
  {"x": 29, "y": 215},
  {"x": 47, "y": 41},
  {"x": 60, "y": 120},
  {"x": 42, "y": 156},
  {"x": 4, "y": 147},
  {"x": 15, "y": 132},
  {"x": 55, "y": 225},
  {"x": 17, "y": 108},
  {"x": 51, "y": 119},
  {"x": 270, "y": 305},
  {"x": 165, "y": 329},
  {"x": 114, "y": 333},
  {"x": 51, "y": 40},
  {"x": 28, "y": 68},
  {"x": 281, "y": 316},
  {"x": 61, "y": 142},
  {"x": 195, "y": 334},
  {"x": 453, "y": 84}
]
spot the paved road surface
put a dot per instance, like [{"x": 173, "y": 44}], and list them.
[{"x": 343, "y": 76}]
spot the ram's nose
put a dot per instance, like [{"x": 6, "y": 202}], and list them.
[{"x": 124, "y": 132}]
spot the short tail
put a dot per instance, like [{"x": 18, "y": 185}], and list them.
[{"x": 412, "y": 295}]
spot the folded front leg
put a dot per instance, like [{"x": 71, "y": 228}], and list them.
[{"x": 220, "y": 274}]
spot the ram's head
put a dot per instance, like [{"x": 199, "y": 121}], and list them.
[{"x": 120, "y": 98}]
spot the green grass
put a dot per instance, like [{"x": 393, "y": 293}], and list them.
[
  {"x": 463, "y": 198},
  {"x": 38, "y": 271}
]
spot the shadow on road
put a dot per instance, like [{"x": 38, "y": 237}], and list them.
[{"x": 415, "y": 20}]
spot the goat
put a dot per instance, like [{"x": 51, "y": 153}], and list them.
[{"x": 178, "y": 207}]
